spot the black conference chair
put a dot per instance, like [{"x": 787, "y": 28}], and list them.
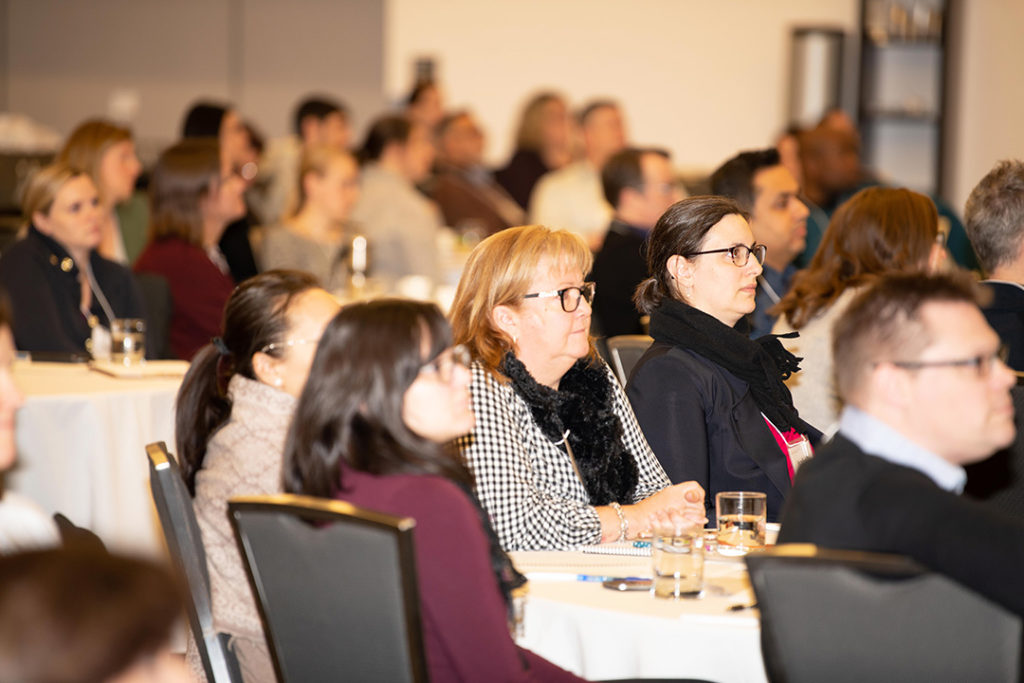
[
  {"x": 178, "y": 519},
  {"x": 837, "y": 616},
  {"x": 625, "y": 350},
  {"x": 336, "y": 587}
]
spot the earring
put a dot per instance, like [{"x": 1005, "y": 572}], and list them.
[{"x": 278, "y": 382}]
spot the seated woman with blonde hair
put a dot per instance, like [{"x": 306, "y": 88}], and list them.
[
  {"x": 64, "y": 294},
  {"x": 106, "y": 151},
  {"x": 878, "y": 230},
  {"x": 557, "y": 455},
  {"x": 312, "y": 238}
]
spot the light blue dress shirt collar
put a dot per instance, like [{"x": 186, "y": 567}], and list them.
[{"x": 877, "y": 438}]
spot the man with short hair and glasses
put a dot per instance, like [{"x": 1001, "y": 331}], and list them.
[{"x": 926, "y": 392}]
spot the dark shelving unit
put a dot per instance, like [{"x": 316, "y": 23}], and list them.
[{"x": 904, "y": 65}]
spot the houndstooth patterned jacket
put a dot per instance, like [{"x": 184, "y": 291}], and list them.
[{"x": 527, "y": 484}]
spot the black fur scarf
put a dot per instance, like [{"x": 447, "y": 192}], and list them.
[{"x": 585, "y": 406}]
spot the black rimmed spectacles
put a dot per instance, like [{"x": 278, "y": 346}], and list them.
[
  {"x": 570, "y": 296},
  {"x": 982, "y": 363},
  {"x": 739, "y": 254}
]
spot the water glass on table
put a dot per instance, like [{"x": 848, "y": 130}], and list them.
[
  {"x": 741, "y": 521},
  {"x": 677, "y": 557},
  {"x": 127, "y": 341}
]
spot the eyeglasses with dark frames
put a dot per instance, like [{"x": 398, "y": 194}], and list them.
[
  {"x": 739, "y": 255},
  {"x": 570, "y": 296},
  {"x": 982, "y": 364},
  {"x": 443, "y": 365}
]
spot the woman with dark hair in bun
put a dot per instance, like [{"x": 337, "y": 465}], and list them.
[
  {"x": 233, "y": 412},
  {"x": 710, "y": 400}
]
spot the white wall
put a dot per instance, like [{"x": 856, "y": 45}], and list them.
[
  {"x": 66, "y": 60},
  {"x": 701, "y": 78},
  {"x": 989, "y": 105}
]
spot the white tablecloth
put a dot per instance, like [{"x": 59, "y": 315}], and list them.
[
  {"x": 602, "y": 634},
  {"x": 81, "y": 448}
]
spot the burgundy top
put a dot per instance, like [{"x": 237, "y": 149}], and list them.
[
  {"x": 199, "y": 291},
  {"x": 465, "y": 628}
]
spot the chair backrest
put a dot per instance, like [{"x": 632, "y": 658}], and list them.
[
  {"x": 851, "y": 616},
  {"x": 181, "y": 530},
  {"x": 336, "y": 587},
  {"x": 156, "y": 297},
  {"x": 625, "y": 350}
]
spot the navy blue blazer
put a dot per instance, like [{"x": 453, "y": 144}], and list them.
[
  {"x": 703, "y": 425},
  {"x": 43, "y": 286}
]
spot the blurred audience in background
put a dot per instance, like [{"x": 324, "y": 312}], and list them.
[
  {"x": 543, "y": 143},
  {"x": 193, "y": 201},
  {"x": 471, "y": 201},
  {"x": 640, "y": 186},
  {"x": 401, "y": 224},
  {"x": 106, "y": 151},
  {"x": 318, "y": 121},
  {"x": 315, "y": 238},
  {"x": 571, "y": 197}
]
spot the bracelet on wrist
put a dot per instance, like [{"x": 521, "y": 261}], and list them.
[{"x": 623, "y": 522}]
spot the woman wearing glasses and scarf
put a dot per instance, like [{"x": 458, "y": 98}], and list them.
[
  {"x": 712, "y": 402},
  {"x": 557, "y": 456}
]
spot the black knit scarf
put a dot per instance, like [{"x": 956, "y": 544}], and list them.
[
  {"x": 585, "y": 406},
  {"x": 762, "y": 363}
]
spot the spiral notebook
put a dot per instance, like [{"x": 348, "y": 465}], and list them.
[{"x": 634, "y": 548}]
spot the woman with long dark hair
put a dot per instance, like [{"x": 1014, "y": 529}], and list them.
[
  {"x": 386, "y": 394},
  {"x": 233, "y": 412}
]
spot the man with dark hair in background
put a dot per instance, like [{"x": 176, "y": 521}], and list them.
[
  {"x": 571, "y": 197},
  {"x": 639, "y": 185},
  {"x": 317, "y": 120},
  {"x": 766, "y": 190},
  {"x": 994, "y": 218},
  {"x": 926, "y": 393}
]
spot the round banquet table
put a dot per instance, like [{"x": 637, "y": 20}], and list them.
[
  {"x": 81, "y": 438},
  {"x": 602, "y": 634}
]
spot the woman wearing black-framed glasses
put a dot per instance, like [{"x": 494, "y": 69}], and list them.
[
  {"x": 711, "y": 401},
  {"x": 557, "y": 456}
]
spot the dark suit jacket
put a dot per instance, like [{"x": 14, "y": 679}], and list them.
[
  {"x": 618, "y": 268},
  {"x": 42, "y": 283},
  {"x": 845, "y": 498},
  {"x": 1006, "y": 316},
  {"x": 703, "y": 424}
]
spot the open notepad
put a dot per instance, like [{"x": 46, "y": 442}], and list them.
[{"x": 634, "y": 548}]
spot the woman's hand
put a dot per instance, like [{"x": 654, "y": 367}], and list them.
[{"x": 679, "y": 505}]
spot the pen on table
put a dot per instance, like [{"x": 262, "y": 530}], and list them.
[{"x": 587, "y": 578}]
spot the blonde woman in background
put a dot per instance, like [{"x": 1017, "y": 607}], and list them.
[
  {"x": 312, "y": 238},
  {"x": 106, "y": 152}
]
